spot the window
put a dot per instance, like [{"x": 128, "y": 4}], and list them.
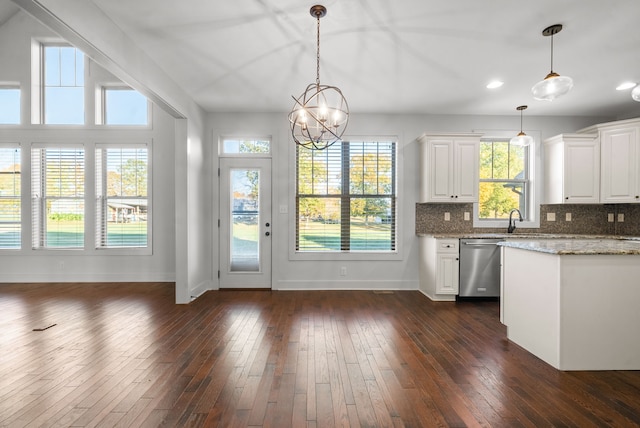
[
  {"x": 63, "y": 83},
  {"x": 346, "y": 197},
  {"x": 9, "y": 105},
  {"x": 124, "y": 106},
  {"x": 57, "y": 191},
  {"x": 10, "y": 222},
  {"x": 232, "y": 146},
  {"x": 122, "y": 209},
  {"x": 504, "y": 180}
]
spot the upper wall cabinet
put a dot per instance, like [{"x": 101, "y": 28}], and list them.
[
  {"x": 572, "y": 169},
  {"x": 450, "y": 167},
  {"x": 619, "y": 161},
  {"x": 620, "y": 178}
]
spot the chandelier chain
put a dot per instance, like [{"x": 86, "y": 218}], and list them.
[{"x": 318, "y": 51}]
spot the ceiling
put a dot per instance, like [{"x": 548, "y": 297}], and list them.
[{"x": 400, "y": 56}]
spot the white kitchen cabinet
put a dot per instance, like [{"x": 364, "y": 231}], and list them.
[
  {"x": 450, "y": 167},
  {"x": 572, "y": 169},
  {"x": 439, "y": 268},
  {"x": 620, "y": 178}
]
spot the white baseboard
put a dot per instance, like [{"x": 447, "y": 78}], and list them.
[
  {"x": 440, "y": 297},
  {"x": 89, "y": 277},
  {"x": 345, "y": 285}
]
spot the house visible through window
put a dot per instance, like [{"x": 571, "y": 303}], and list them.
[
  {"x": 9, "y": 105},
  {"x": 504, "y": 180},
  {"x": 10, "y": 221},
  {"x": 346, "y": 197},
  {"x": 63, "y": 73},
  {"x": 124, "y": 106},
  {"x": 57, "y": 193},
  {"x": 122, "y": 207}
]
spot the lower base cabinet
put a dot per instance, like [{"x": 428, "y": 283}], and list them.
[{"x": 439, "y": 268}]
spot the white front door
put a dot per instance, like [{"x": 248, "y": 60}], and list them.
[{"x": 245, "y": 223}]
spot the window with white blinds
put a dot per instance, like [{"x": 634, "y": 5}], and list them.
[
  {"x": 346, "y": 197},
  {"x": 57, "y": 196},
  {"x": 122, "y": 208},
  {"x": 10, "y": 180}
]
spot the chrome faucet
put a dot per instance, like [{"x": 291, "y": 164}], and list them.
[{"x": 512, "y": 223}]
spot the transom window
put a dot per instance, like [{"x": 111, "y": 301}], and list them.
[
  {"x": 504, "y": 180},
  {"x": 63, "y": 84},
  {"x": 234, "y": 146},
  {"x": 124, "y": 106},
  {"x": 346, "y": 197},
  {"x": 9, "y": 105}
]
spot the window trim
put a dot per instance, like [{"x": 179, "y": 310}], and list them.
[
  {"x": 534, "y": 189},
  {"x": 394, "y": 255}
]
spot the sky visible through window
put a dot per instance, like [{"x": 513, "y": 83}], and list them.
[
  {"x": 125, "y": 107},
  {"x": 9, "y": 106},
  {"x": 64, "y": 85}
]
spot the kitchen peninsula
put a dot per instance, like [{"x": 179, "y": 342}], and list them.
[{"x": 574, "y": 303}]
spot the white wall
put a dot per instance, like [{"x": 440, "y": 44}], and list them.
[
  {"x": 370, "y": 273},
  {"x": 27, "y": 265}
]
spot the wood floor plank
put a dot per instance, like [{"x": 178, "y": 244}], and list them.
[{"x": 126, "y": 355}]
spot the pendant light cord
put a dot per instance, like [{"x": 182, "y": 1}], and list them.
[{"x": 552, "y": 53}]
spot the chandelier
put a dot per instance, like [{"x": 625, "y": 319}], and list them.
[
  {"x": 554, "y": 85},
  {"x": 320, "y": 115}
]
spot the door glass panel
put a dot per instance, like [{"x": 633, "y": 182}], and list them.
[{"x": 245, "y": 220}]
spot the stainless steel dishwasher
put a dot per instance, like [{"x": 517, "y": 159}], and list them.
[{"x": 479, "y": 268}]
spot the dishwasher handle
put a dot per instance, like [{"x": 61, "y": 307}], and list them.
[{"x": 480, "y": 243}]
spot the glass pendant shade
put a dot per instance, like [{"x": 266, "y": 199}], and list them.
[
  {"x": 320, "y": 115},
  {"x": 635, "y": 93},
  {"x": 521, "y": 139},
  {"x": 552, "y": 87}
]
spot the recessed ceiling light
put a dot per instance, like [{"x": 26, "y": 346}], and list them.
[
  {"x": 495, "y": 84},
  {"x": 625, "y": 85}
]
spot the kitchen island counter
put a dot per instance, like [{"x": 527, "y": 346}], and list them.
[{"x": 573, "y": 303}]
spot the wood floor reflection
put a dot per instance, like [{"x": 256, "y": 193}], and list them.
[{"x": 126, "y": 355}]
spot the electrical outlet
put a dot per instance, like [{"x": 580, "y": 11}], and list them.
[
  {"x": 343, "y": 271},
  {"x": 551, "y": 216},
  {"x": 610, "y": 217},
  {"x": 447, "y": 216},
  {"x": 620, "y": 217},
  {"x": 467, "y": 216},
  {"x": 567, "y": 217}
]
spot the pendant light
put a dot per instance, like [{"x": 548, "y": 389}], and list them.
[
  {"x": 320, "y": 115},
  {"x": 521, "y": 139},
  {"x": 554, "y": 85},
  {"x": 635, "y": 93}
]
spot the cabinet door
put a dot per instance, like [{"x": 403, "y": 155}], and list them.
[
  {"x": 440, "y": 171},
  {"x": 447, "y": 274},
  {"x": 467, "y": 155},
  {"x": 582, "y": 172},
  {"x": 619, "y": 165}
]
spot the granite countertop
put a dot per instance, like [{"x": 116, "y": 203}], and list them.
[
  {"x": 582, "y": 246},
  {"x": 528, "y": 236}
]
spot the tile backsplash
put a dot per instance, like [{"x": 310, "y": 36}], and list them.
[{"x": 585, "y": 219}]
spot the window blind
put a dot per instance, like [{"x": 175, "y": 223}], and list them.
[
  {"x": 57, "y": 192},
  {"x": 346, "y": 197},
  {"x": 10, "y": 182},
  {"x": 122, "y": 208}
]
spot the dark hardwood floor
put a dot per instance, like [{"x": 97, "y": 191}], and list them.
[{"x": 126, "y": 355}]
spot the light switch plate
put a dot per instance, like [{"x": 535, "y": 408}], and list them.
[
  {"x": 620, "y": 217},
  {"x": 610, "y": 217},
  {"x": 467, "y": 216},
  {"x": 567, "y": 217},
  {"x": 447, "y": 216}
]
